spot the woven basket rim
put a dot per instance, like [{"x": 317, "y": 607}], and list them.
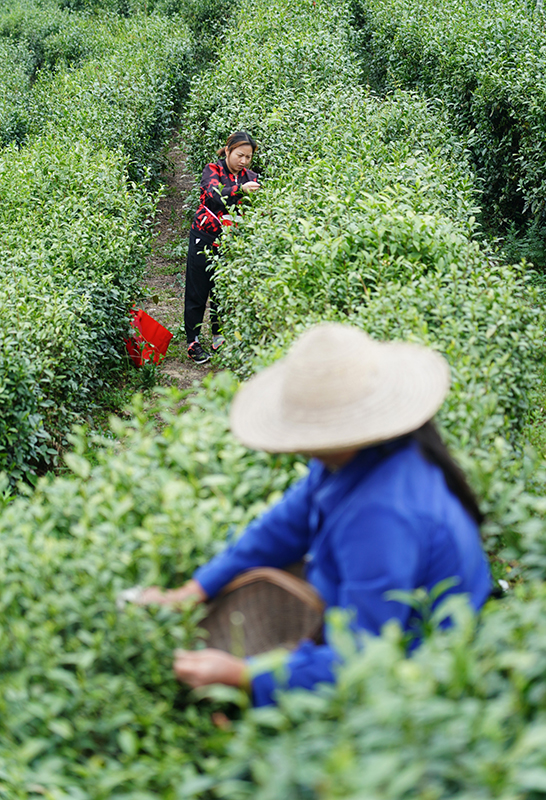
[
  {"x": 265, "y": 626},
  {"x": 285, "y": 580}
]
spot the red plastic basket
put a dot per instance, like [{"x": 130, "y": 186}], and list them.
[{"x": 151, "y": 341}]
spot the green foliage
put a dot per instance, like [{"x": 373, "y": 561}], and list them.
[
  {"x": 462, "y": 718},
  {"x": 125, "y": 93},
  {"x": 266, "y": 72},
  {"x": 74, "y": 248},
  {"x": 37, "y": 38},
  {"x": 367, "y": 216},
  {"x": 47, "y": 34},
  {"x": 14, "y": 84},
  {"x": 127, "y": 100},
  {"x": 206, "y": 19},
  {"x": 485, "y": 61},
  {"x": 89, "y": 707},
  {"x": 21, "y": 426},
  {"x": 89, "y": 102}
]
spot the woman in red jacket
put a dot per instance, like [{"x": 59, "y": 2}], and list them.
[{"x": 223, "y": 184}]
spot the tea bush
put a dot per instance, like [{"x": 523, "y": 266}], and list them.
[
  {"x": 34, "y": 39},
  {"x": 126, "y": 100},
  {"x": 118, "y": 82},
  {"x": 462, "y": 718},
  {"x": 75, "y": 212},
  {"x": 205, "y": 19},
  {"x": 74, "y": 248},
  {"x": 89, "y": 708},
  {"x": 367, "y": 215},
  {"x": 14, "y": 84},
  {"x": 49, "y": 35},
  {"x": 485, "y": 61}
]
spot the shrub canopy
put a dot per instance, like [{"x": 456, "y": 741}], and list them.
[{"x": 367, "y": 215}]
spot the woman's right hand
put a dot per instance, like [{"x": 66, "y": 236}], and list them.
[
  {"x": 250, "y": 186},
  {"x": 192, "y": 590}
]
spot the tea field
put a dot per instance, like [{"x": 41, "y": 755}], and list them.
[
  {"x": 484, "y": 63},
  {"x": 88, "y": 102},
  {"x": 370, "y": 213}
]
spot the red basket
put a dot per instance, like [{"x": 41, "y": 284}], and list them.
[{"x": 151, "y": 341}]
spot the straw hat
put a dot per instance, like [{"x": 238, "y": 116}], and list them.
[{"x": 337, "y": 389}]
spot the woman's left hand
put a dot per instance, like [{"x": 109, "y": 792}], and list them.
[{"x": 203, "y": 667}]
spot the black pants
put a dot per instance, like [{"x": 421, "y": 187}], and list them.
[{"x": 199, "y": 285}]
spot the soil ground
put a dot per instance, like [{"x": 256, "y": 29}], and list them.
[{"x": 164, "y": 278}]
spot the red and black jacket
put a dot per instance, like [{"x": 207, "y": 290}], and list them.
[{"x": 219, "y": 190}]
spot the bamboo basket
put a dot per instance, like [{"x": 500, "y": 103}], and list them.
[{"x": 262, "y": 609}]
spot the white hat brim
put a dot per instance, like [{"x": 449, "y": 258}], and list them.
[{"x": 411, "y": 385}]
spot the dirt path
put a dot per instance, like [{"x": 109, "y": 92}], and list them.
[{"x": 164, "y": 278}]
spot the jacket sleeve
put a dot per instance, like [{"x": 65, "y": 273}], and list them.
[
  {"x": 308, "y": 665},
  {"x": 217, "y": 196},
  {"x": 374, "y": 552},
  {"x": 277, "y": 538},
  {"x": 234, "y": 194}
]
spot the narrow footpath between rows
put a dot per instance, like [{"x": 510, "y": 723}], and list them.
[{"x": 164, "y": 277}]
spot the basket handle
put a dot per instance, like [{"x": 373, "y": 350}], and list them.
[{"x": 290, "y": 583}]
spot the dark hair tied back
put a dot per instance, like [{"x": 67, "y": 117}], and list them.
[
  {"x": 434, "y": 450},
  {"x": 234, "y": 139}
]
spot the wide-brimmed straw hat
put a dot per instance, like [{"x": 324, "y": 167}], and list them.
[{"x": 337, "y": 389}]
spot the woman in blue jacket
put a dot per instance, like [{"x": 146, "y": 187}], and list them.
[{"x": 383, "y": 507}]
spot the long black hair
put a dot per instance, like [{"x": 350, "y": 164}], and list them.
[{"x": 434, "y": 450}]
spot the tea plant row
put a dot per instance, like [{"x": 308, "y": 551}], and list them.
[
  {"x": 89, "y": 709},
  {"x": 485, "y": 63},
  {"x": 367, "y": 215},
  {"x": 87, "y": 104}
]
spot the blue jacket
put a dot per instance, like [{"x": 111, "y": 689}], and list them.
[{"x": 386, "y": 520}]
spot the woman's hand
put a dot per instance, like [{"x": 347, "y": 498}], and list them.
[
  {"x": 250, "y": 186},
  {"x": 203, "y": 667},
  {"x": 173, "y": 597}
]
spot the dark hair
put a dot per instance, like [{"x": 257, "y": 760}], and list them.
[
  {"x": 239, "y": 137},
  {"x": 434, "y": 450}
]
